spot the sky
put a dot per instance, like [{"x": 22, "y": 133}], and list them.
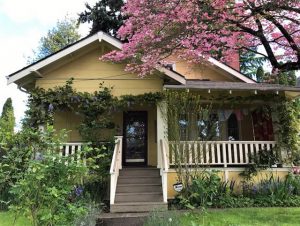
[{"x": 22, "y": 24}]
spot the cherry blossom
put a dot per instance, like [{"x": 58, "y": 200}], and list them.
[{"x": 194, "y": 30}]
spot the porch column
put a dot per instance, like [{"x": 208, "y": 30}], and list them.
[
  {"x": 282, "y": 151},
  {"x": 161, "y": 127}
]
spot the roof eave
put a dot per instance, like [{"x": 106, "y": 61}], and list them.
[{"x": 231, "y": 71}]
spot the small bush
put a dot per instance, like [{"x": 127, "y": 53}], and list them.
[
  {"x": 48, "y": 194},
  {"x": 16, "y": 155},
  {"x": 208, "y": 190},
  {"x": 205, "y": 190}
]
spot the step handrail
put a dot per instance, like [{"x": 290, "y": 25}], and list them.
[
  {"x": 164, "y": 171},
  {"x": 116, "y": 165}
]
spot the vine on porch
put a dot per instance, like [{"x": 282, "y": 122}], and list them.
[
  {"x": 95, "y": 108},
  {"x": 97, "y": 127},
  {"x": 185, "y": 106}
]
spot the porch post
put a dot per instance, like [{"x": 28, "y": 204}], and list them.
[
  {"x": 283, "y": 152},
  {"x": 161, "y": 129}
]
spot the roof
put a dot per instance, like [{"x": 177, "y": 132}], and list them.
[
  {"x": 101, "y": 36},
  {"x": 209, "y": 85},
  {"x": 230, "y": 70}
]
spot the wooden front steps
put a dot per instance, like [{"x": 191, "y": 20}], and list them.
[{"x": 138, "y": 190}]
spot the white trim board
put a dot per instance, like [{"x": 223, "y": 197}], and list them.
[{"x": 230, "y": 70}]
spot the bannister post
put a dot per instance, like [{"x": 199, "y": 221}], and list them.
[
  {"x": 161, "y": 127},
  {"x": 112, "y": 188},
  {"x": 116, "y": 165},
  {"x": 119, "y": 142},
  {"x": 165, "y": 186}
]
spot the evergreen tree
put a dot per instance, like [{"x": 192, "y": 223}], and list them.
[
  {"x": 250, "y": 62},
  {"x": 287, "y": 78},
  {"x": 7, "y": 120},
  {"x": 105, "y": 15},
  {"x": 63, "y": 34},
  {"x": 260, "y": 73}
]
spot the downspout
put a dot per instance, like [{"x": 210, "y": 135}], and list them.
[
  {"x": 37, "y": 75},
  {"x": 22, "y": 90}
]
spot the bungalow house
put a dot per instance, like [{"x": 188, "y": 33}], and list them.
[{"x": 142, "y": 168}]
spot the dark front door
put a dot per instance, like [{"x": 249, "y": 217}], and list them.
[{"x": 135, "y": 138}]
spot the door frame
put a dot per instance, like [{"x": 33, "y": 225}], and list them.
[{"x": 145, "y": 115}]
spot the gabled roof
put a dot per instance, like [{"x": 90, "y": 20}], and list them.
[
  {"x": 101, "y": 36},
  {"x": 230, "y": 70}
]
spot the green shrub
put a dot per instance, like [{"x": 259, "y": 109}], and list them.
[
  {"x": 204, "y": 190},
  {"x": 273, "y": 187},
  {"x": 50, "y": 192},
  {"x": 16, "y": 155},
  {"x": 208, "y": 190}
]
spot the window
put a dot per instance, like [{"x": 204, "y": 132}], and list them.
[
  {"x": 209, "y": 127},
  {"x": 183, "y": 126},
  {"x": 233, "y": 128}
]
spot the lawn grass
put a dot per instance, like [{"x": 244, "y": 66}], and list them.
[
  {"x": 244, "y": 217},
  {"x": 7, "y": 219}
]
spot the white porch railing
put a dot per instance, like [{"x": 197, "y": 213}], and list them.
[
  {"x": 221, "y": 153},
  {"x": 70, "y": 148},
  {"x": 73, "y": 149},
  {"x": 164, "y": 171},
  {"x": 116, "y": 165}
]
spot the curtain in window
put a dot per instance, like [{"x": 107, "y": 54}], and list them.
[{"x": 262, "y": 125}]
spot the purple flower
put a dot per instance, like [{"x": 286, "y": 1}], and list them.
[
  {"x": 78, "y": 191},
  {"x": 38, "y": 156},
  {"x": 254, "y": 190},
  {"x": 50, "y": 107}
]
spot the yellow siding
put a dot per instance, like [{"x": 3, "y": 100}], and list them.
[
  {"x": 88, "y": 71},
  {"x": 199, "y": 71},
  {"x": 70, "y": 122},
  {"x": 232, "y": 175}
]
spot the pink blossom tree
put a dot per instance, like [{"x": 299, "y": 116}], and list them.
[{"x": 197, "y": 29}]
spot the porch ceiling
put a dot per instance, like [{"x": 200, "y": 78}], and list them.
[{"x": 240, "y": 86}]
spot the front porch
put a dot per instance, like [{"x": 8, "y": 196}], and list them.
[
  {"x": 225, "y": 136},
  {"x": 140, "y": 189}
]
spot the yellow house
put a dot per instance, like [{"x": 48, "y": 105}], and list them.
[{"x": 143, "y": 165}]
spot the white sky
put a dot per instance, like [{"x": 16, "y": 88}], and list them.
[{"x": 22, "y": 24}]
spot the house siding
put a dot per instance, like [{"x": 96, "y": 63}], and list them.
[
  {"x": 199, "y": 71},
  {"x": 88, "y": 72}
]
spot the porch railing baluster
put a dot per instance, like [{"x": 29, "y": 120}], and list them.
[
  {"x": 216, "y": 153},
  {"x": 241, "y": 151},
  {"x": 229, "y": 152},
  {"x": 212, "y": 148}
]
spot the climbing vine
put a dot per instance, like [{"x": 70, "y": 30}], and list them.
[{"x": 96, "y": 109}]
